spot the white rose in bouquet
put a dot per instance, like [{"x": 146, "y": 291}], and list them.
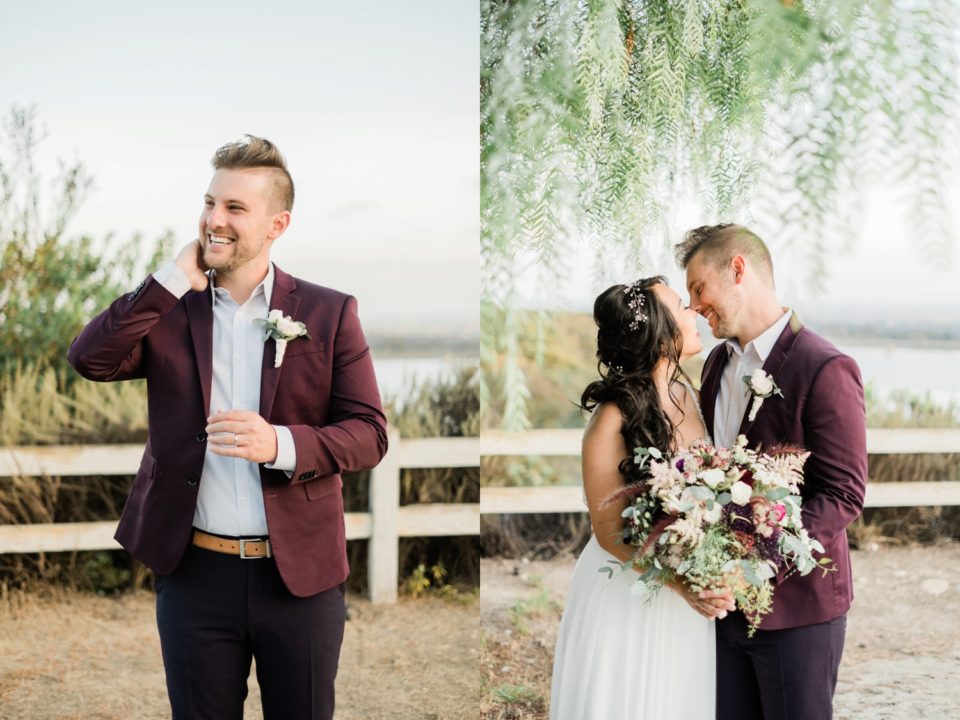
[
  {"x": 713, "y": 516},
  {"x": 713, "y": 477},
  {"x": 740, "y": 492}
]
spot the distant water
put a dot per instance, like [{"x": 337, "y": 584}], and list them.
[
  {"x": 919, "y": 370},
  {"x": 395, "y": 374}
]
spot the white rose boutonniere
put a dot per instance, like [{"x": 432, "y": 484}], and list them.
[
  {"x": 761, "y": 386},
  {"x": 282, "y": 328}
]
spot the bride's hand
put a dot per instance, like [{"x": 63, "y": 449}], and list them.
[
  {"x": 723, "y": 597},
  {"x": 714, "y": 606}
]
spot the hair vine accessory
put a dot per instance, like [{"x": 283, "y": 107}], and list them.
[{"x": 636, "y": 303}]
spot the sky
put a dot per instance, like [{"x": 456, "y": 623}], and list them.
[
  {"x": 884, "y": 272},
  {"x": 375, "y": 106}
]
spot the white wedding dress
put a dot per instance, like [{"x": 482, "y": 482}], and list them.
[{"x": 620, "y": 657}]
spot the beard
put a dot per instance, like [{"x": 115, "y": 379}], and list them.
[
  {"x": 239, "y": 254},
  {"x": 725, "y": 329}
]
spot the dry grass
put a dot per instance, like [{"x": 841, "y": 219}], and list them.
[
  {"x": 43, "y": 407},
  {"x": 76, "y": 656}
]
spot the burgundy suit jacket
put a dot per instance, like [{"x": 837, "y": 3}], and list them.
[
  {"x": 325, "y": 392},
  {"x": 822, "y": 410}
]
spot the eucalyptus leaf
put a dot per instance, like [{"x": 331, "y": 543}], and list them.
[
  {"x": 749, "y": 575},
  {"x": 701, "y": 493}
]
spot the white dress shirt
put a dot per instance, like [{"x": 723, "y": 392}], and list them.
[
  {"x": 230, "y": 499},
  {"x": 734, "y": 396}
]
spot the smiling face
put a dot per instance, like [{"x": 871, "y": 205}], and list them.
[
  {"x": 714, "y": 294},
  {"x": 239, "y": 221},
  {"x": 685, "y": 318}
]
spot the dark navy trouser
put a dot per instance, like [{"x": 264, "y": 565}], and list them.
[
  {"x": 786, "y": 674},
  {"x": 215, "y": 612}
]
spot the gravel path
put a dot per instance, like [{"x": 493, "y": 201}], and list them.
[{"x": 902, "y": 657}]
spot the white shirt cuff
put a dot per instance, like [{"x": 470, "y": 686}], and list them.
[
  {"x": 173, "y": 278},
  {"x": 286, "y": 451}
]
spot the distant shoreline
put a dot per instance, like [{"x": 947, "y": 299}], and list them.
[
  {"x": 424, "y": 353},
  {"x": 901, "y": 343},
  {"x": 420, "y": 347}
]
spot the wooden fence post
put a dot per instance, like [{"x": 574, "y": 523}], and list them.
[{"x": 383, "y": 550}]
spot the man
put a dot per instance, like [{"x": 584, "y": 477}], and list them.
[
  {"x": 237, "y": 505},
  {"x": 789, "y": 668}
]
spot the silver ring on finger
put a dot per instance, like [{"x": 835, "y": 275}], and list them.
[{"x": 236, "y": 440}]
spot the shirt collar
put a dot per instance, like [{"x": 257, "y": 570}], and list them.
[
  {"x": 762, "y": 344},
  {"x": 266, "y": 285}
]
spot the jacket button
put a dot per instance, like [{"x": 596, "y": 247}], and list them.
[
  {"x": 192, "y": 479},
  {"x": 201, "y": 437}
]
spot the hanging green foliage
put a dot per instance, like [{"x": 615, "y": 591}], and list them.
[{"x": 596, "y": 115}]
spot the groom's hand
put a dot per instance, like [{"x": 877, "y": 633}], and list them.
[
  {"x": 242, "y": 434},
  {"x": 190, "y": 260}
]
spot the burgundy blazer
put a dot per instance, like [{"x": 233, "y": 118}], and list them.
[
  {"x": 822, "y": 410},
  {"x": 325, "y": 392}
]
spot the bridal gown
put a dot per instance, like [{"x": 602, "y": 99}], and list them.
[{"x": 620, "y": 657}]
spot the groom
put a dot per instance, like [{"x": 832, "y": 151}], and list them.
[
  {"x": 789, "y": 668},
  {"x": 237, "y": 505}
]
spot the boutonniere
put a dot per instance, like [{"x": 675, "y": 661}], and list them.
[
  {"x": 282, "y": 328},
  {"x": 761, "y": 386}
]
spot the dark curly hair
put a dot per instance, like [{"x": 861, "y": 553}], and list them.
[{"x": 626, "y": 359}]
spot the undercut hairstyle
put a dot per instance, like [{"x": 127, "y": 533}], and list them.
[
  {"x": 718, "y": 244},
  {"x": 626, "y": 359},
  {"x": 255, "y": 152}
]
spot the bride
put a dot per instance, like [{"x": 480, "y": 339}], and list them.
[{"x": 618, "y": 656}]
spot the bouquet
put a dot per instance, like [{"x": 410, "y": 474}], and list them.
[{"x": 715, "y": 517}]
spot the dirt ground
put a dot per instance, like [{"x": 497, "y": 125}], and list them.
[
  {"x": 901, "y": 662},
  {"x": 82, "y": 657}
]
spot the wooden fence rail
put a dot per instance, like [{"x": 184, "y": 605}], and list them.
[
  {"x": 495, "y": 500},
  {"x": 383, "y": 525}
]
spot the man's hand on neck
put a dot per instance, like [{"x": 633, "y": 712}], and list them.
[{"x": 190, "y": 260}]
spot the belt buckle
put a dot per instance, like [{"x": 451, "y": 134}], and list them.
[{"x": 243, "y": 549}]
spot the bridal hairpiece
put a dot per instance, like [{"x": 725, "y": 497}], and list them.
[{"x": 635, "y": 303}]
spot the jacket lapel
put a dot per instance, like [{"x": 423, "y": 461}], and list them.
[
  {"x": 772, "y": 365},
  {"x": 283, "y": 299},
  {"x": 710, "y": 384},
  {"x": 199, "y": 306}
]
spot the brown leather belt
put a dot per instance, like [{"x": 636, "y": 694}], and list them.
[{"x": 251, "y": 549}]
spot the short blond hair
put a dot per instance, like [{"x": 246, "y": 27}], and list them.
[
  {"x": 257, "y": 152},
  {"x": 718, "y": 244}
]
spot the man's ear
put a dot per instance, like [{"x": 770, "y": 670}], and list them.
[
  {"x": 738, "y": 264},
  {"x": 279, "y": 224}
]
